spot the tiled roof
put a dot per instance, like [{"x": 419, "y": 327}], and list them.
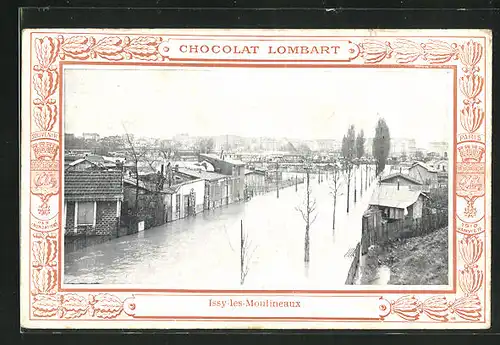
[
  {"x": 93, "y": 184},
  {"x": 389, "y": 195}
]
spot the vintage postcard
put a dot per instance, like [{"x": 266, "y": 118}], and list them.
[{"x": 263, "y": 179}]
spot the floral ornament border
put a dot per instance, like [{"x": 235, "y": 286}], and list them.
[{"x": 47, "y": 302}]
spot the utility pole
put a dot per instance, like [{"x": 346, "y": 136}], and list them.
[
  {"x": 296, "y": 182},
  {"x": 277, "y": 181},
  {"x": 242, "y": 254},
  {"x": 366, "y": 176},
  {"x": 355, "y": 173},
  {"x": 361, "y": 184}
]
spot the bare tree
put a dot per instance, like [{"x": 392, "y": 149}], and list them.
[
  {"x": 247, "y": 250},
  {"x": 360, "y": 152},
  {"x": 246, "y": 253},
  {"x": 308, "y": 211},
  {"x": 348, "y": 154},
  {"x": 335, "y": 187},
  {"x": 136, "y": 155}
]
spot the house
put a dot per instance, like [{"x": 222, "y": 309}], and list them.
[
  {"x": 402, "y": 179},
  {"x": 255, "y": 180},
  {"x": 92, "y": 202},
  {"x": 184, "y": 199},
  {"x": 424, "y": 173},
  {"x": 233, "y": 169},
  {"x": 217, "y": 186},
  {"x": 398, "y": 202}
]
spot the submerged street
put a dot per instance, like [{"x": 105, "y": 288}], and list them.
[{"x": 203, "y": 251}]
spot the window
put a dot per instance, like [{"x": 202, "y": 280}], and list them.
[{"x": 86, "y": 213}]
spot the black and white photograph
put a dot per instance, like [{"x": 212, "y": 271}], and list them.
[{"x": 257, "y": 178}]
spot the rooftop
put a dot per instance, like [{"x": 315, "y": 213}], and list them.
[
  {"x": 174, "y": 188},
  {"x": 93, "y": 184},
  {"x": 255, "y": 171},
  {"x": 401, "y": 175},
  {"x": 389, "y": 195},
  {"x": 204, "y": 175},
  {"x": 96, "y": 160},
  {"x": 226, "y": 159},
  {"x": 423, "y": 165}
]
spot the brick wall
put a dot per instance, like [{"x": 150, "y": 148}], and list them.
[
  {"x": 106, "y": 220},
  {"x": 70, "y": 217}
]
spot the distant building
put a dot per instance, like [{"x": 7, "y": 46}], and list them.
[
  {"x": 90, "y": 136},
  {"x": 400, "y": 146},
  {"x": 185, "y": 141},
  {"x": 328, "y": 145},
  {"x": 398, "y": 202},
  {"x": 269, "y": 144},
  {"x": 92, "y": 202},
  {"x": 439, "y": 147},
  {"x": 229, "y": 143}
]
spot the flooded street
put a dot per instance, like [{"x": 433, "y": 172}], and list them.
[{"x": 203, "y": 252}]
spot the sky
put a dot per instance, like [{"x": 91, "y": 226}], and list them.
[{"x": 282, "y": 102}]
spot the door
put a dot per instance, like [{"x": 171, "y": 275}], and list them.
[
  {"x": 192, "y": 202},
  {"x": 186, "y": 205}
]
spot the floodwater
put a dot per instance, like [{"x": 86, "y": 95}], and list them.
[
  {"x": 203, "y": 252},
  {"x": 383, "y": 276}
]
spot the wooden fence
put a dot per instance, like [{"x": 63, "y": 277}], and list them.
[
  {"x": 378, "y": 232},
  {"x": 271, "y": 186},
  {"x": 351, "y": 276}
]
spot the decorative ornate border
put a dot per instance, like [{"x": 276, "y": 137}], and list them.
[{"x": 49, "y": 50}]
